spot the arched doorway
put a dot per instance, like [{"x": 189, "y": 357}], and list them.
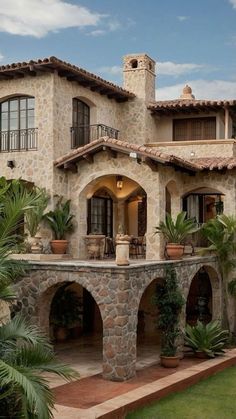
[
  {"x": 116, "y": 204},
  {"x": 199, "y": 301},
  {"x": 148, "y": 335},
  {"x": 73, "y": 320}
]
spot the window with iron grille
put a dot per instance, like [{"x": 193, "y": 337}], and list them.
[
  {"x": 194, "y": 129},
  {"x": 17, "y": 124},
  {"x": 81, "y": 122}
]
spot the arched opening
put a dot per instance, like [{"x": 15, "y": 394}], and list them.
[
  {"x": 17, "y": 124},
  {"x": 115, "y": 204},
  {"x": 80, "y": 123},
  {"x": 72, "y": 318},
  {"x": 134, "y": 63},
  {"x": 199, "y": 301},
  {"x": 148, "y": 335},
  {"x": 74, "y": 310}
]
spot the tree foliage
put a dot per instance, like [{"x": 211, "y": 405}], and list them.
[
  {"x": 169, "y": 301},
  {"x": 24, "y": 351}
]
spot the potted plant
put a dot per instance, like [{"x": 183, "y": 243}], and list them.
[
  {"x": 61, "y": 222},
  {"x": 169, "y": 301},
  {"x": 33, "y": 217},
  {"x": 175, "y": 232},
  {"x": 206, "y": 340},
  {"x": 66, "y": 314}
]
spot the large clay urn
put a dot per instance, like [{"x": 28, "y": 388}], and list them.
[
  {"x": 122, "y": 249},
  {"x": 174, "y": 251},
  {"x": 59, "y": 247}
]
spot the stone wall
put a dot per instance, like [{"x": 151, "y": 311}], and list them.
[
  {"x": 33, "y": 166},
  {"x": 197, "y": 149},
  {"x": 117, "y": 292}
]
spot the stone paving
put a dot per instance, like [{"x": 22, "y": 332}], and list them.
[{"x": 98, "y": 398}]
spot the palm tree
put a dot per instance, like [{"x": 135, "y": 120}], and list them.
[
  {"x": 221, "y": 234},
  {"x": 24, "y": 352}
]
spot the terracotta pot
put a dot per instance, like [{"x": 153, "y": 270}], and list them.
[
  {"x": 174, "y": 250},
  {"x": 170, "y": 361},
  {"x": 59, "y": 247},
  {"x": 60, "y": 334}
]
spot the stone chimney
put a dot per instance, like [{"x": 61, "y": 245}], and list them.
[
  {"x": 187, "y": 93},
  {"x": 139, "y": 76}
]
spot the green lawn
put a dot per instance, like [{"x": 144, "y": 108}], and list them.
[{"x": 213, "y": 398}]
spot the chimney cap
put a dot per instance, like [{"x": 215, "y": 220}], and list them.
[{"x": 187, "y": 93}]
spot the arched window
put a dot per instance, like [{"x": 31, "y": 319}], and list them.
[
  {"x": 81, "y": 123},
  {"x": 17, "y": 124}
]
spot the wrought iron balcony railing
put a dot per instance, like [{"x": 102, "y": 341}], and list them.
[
  {"x": 84, "y": 134},
  {"x": 19, "y": 140}
]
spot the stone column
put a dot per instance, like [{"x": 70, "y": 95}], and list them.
[{"x": 119, "y": 330}]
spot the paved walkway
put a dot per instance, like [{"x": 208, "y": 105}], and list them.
[{"x": 93, "y": 397}]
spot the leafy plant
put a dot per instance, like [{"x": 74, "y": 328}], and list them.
[
  {"x": 177, "y": 231},
  {"x": 221, "y": 232},
  {"x": 34, "y": 215},
  {"x": 60, "y": 220},
  {"x": 208, "y": 338},
  {"x": 24, "y": 352},
  {"x": 66, "y": 309},
  {"x": 169, "y": 301}
]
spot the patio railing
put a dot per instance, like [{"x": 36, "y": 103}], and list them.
[
  {"x": 84, "y": 134},
  {"x": 18, "y": 140}
]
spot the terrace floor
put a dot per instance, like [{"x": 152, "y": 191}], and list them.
[
  {"x": 85, "y": 355},
  {"x": 92, "y": 397}
]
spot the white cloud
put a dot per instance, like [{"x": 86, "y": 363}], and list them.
[
  {"x": 111, "y": 26},
  {"x": 182, "y": 18},
  {"x": 233, "y": 2},
  {"x": 97, "y": 32},
  {"x": 202, "y": 89},
  {"x": 168, "y": 68},
  {"x": 38, "y": 17},
  {"x": 1, "y": 57},
  {"x": 113, "y": 70}
]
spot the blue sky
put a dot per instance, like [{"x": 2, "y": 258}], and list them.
[{"x": 193, "y": 42}]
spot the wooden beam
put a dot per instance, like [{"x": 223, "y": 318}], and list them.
[
  {"x": 88, "y": 158},
  {"x": 152, "y": 164},
  {"x": 70, "y": 167}
]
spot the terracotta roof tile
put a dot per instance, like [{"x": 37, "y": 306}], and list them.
[
  {"x": 53, "y": 63},
  {"x": 182, "y": 104},
  {"x": 215, "y": 163},
  {"x": 125, "y": 147}
]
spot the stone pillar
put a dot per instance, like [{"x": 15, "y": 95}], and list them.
[{"x": 119, "y": 330}]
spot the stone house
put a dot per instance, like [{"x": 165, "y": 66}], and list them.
[{"x": 123, "y": 159}]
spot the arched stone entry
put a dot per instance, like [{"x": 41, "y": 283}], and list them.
[
  {"x": 117, "y": 292},
  {"x": 73, "y": 309},
  {"x": 112, "y": 204},
  {"x": 199, "y": 301},
  {"x": 213, "y": 289}
]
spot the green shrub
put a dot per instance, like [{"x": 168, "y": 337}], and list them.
[{"x": 208, "y": 338}]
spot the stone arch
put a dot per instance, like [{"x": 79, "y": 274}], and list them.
[
  {"x": 48, "y": 290},
  {"x": 216, "y": 287},
  {"x": 15, "y": 95},
  {"x": 95, "y": 183}
]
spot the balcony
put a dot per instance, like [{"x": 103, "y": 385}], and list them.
[
  {"x": 84, "y": 134},
  {"x": 18, "y": 140}
]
